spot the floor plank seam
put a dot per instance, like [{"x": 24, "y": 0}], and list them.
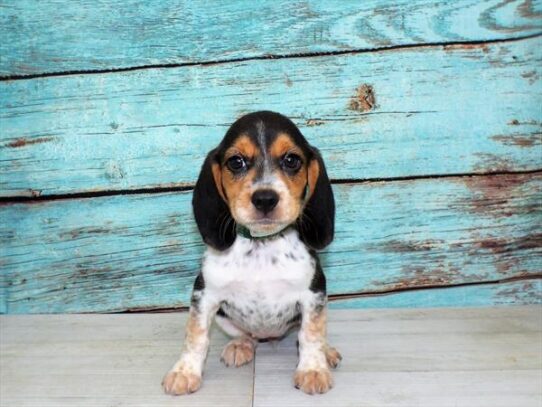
[{"x": 254, "y": 377}]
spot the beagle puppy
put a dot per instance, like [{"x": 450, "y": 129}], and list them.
[{"x": 263, "y": 204}]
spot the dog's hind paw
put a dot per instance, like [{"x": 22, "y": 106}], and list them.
[{"x": 238, "y": 352}]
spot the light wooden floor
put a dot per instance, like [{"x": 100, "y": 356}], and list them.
[{"x": 440, "y": 357}]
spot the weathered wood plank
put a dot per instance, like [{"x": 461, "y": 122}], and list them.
[
  {"x": 443, "y": 110},
  {"x": 143, "y": 251},
  {"x": 417, "y": 358},
  {"x": 510, "y": 293},
  {"x": 88, "y": 35}
]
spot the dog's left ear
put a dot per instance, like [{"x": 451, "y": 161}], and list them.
[
  {"x": 211, "y": 211},
  {"x": 317, "y": 224}
]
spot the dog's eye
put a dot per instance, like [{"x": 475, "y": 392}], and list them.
[
  {"x": 291, "y": 162},
  {"x": 236, "y": 163}
]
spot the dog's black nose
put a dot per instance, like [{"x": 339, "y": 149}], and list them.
[{"x": 265, "y": 200}]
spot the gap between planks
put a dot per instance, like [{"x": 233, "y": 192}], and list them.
[
  {"x": 35, "y": 195},
  {"x": 360, "y": 295},
  {"x": 272, "y": 56},
  {"x": 338, "y": 297}
]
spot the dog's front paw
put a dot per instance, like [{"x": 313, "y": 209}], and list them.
[
  {"x": 313, "y": 381},
  {"x": 238, "y": 352},
  {"x": 177, "y": 383}
]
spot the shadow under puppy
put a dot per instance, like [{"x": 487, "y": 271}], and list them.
[{"x": 263, "y": 205}]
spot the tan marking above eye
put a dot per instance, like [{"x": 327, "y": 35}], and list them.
[
  {"x": 284, "y": 144},
  {"x": 242, "y": 146},
  {"x": 297, "y": 181},
  {"x": 232, "y": 184}
]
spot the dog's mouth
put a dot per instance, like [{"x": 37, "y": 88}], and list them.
[
  {"x": 264, "y": 221},
  {"x": 265, "y": 227}
]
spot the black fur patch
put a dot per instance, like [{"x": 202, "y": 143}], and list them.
[
  {"x": 318, "y": 283},
  {"x": 199, "y": 284},
  {"x": 272, "y": 125},
  {"x": 317, "y": 225},
  {"x": 295, "y": 319},
  {"x": 197, "y": 292},
  {"x": 212, "y": 214}
]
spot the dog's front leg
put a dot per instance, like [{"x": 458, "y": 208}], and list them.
[
  {"x": 185, "y": 376},
  {"x": 313, "y": 374}
]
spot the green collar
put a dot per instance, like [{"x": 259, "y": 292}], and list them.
[{"x": 244, "y": 232}]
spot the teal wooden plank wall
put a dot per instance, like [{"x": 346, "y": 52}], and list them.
[{"x": 428, "y": 114}]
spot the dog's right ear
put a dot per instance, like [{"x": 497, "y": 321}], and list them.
[{"x": 211, "y": 211}]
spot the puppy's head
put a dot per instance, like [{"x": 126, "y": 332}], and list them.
[{"x": 264, "y": 176}]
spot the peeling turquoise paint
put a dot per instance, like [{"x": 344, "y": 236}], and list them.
[{"x": 437, "y": 104}]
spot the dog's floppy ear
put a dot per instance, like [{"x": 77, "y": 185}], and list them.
[
  {"x": 212, "y": 214},
  {"x": 317, "y": 224}
]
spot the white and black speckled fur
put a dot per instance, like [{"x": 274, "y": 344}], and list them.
[{"x": 261, "y": 284}]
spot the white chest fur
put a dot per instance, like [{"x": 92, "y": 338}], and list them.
[{"x": 260, "y": 282}]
